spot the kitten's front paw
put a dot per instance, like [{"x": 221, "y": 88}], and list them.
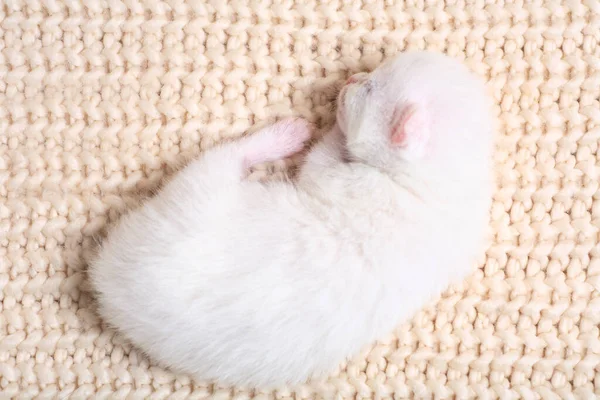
[
  {"x": 278, "y": 141},
  {"x": 290, "y": 135}
]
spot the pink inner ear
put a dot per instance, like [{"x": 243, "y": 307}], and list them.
[
  {"x": 408, "y": 128},
  {"x": 402, "y": 128}
]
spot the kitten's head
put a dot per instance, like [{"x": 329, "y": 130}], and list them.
[{"x": 421, "y": 108}]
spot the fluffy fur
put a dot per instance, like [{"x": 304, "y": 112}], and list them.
[{"x": 260, "y": 284}]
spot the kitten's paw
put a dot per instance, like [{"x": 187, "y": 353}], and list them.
[
  {"x": 290, "y": 135},
  {"x": 278, "y": 141}
]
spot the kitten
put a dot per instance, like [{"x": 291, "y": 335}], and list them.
[{"x": 267, "y": 284}]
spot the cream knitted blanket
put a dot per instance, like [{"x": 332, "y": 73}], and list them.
[{"x": 99, "y": 98}]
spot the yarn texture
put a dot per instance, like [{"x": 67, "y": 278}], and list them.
[{"x": 101, "y": 100}]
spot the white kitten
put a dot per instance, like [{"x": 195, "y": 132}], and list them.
[{"x": 260, "y": 284}]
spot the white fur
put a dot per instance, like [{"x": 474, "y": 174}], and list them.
[{"x": 268, "y": 284}]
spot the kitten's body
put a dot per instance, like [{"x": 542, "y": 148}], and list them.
[{"x": 269, "y": 284}]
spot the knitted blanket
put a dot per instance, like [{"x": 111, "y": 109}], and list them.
[{"x": 101, "y": 99}]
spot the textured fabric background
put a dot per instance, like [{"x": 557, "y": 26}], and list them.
[{"x": 99, "y": 99}]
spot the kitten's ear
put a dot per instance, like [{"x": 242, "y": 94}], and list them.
[{"x": 410, "y": 129}]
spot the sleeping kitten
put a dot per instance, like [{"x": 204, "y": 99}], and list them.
[{"x": 266, "y": 284}]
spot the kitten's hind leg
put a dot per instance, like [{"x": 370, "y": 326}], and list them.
[{"x": 230, "y": 162}]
